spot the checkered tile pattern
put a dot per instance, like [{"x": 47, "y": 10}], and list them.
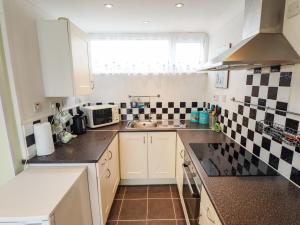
[
  {"x": 161, "y": 110},
  {"x": 271, "y": 87},
  {"x": 242, "y": 161},
  {"x": 29, "y": 135}
]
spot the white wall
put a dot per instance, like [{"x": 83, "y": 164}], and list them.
[
  {"x": 6, "y": 163},
  {"x": 229, "y": 32},
  {"x": 292, "y": 32},
  {"x": 171, "y": 88},
  {"x": 21, "y": 17}
]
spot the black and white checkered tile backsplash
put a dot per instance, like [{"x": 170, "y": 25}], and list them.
[
  {"x": 267, "y": 87},
  {"x": 161, "y": 110},
  {"x": 154, "y": 110}
]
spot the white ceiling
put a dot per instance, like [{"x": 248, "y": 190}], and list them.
[{"x": 127, "y": 16}]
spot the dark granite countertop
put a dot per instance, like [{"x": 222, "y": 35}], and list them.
[
  {"x": 89, "y": 147},
  {"x": 246, "y": 200},
  {"x": 86, "y": 148},
  {"x": 238, "y": 200}
]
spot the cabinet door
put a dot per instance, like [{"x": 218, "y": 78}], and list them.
[
  {"x": 113, "y": 162},
  {"x": 133, "y": 153},
  {"x": 179, "y": 161},
  {"x": 103, "y": 186},
  {"x": 80, "y": 56},
  {"x": 208, "y": 214},
  {"x": 161, "y": 154},
  {"x": 105, "y": 189}
]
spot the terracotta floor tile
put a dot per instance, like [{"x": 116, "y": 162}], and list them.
[
  {"x": 131, "y": 222},
  {"x": 160, "y": 209},
  {"x": 111, "y": 223},
  {"x": 174, "y": 191},
  {"x": 133, "y": 210},
  {"x": 120, "y": 192},
  {"x": 159, "y": 191},
  {"x": 115, "y": 210},
  {"x": 135, "y": 192},
  {"x": 181, "y": 222},
  {"x": 178, "y": 209},
  {"x": 161, "y": 222}
]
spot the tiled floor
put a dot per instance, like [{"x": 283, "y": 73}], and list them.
[{"x": 146, "y": 205}]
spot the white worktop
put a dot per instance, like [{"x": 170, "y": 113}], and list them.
[{"x": 35, "y": 193}]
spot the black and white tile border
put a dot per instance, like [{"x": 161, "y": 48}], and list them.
[
  {"x": 271, "y": 87},
  {"x": 154, "y": 110},
  {"x": 29, "y": 135}
]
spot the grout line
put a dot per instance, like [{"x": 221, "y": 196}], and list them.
[
  {"x": 173, "y": 204},
  {"x": 121, "y": 205},
  {"x": 151, "y": 220},
  {"x": 147, "y": 198},
  {"x": 147, "y": 205}
]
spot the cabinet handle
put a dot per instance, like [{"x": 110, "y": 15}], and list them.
[
  {"x": 110, "y": 157},
  {"x": 151, "y": 139},
  {"x": 109, "y": 173},
  {"x": 181, "y": 153},
  {"x": 208, "y": 217},
  {"x": 144, "y": 140}
]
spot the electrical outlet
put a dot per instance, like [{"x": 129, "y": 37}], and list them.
[
  {"x": 52, "y": 106},
  {"x": 293, "y": 9},
  {"x": 216, "y": 98},
  {"x": 36, "y": 107}
]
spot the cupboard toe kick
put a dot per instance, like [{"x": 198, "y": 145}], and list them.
[{"x": 147, "y": 155}]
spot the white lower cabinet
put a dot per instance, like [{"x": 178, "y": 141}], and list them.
[
  {"x": 133, "y": 155},
  {"x": 208, "y": 214},
  {"x": 147, "y": 155},
  {"x": 108, "y": 178},
  {"x": 161, "y": 154},
  {"x": 179, "y": 162}
]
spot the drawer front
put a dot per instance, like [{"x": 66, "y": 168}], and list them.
[
  {"x": 208, "y": 213},
  {"x": 103, "y": 164}
]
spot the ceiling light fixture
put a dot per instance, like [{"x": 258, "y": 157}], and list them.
[
  {"x": 146, "y": 22},
  {"x": 109, "y": 6},
  {"x": 179, "y": 5}
]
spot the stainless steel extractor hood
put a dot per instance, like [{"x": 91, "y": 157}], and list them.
[{"x": 263, "y": 42}]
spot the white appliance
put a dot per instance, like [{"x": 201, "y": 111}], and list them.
[
  {"x": 43, "y": 139},
  {"x": 101, "y": 115},
  {"x": 46, "y": 196}
]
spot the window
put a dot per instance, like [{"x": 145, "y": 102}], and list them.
[{"x": 154, "y": 55}]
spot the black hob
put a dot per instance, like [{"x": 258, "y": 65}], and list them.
[{"x": 230, "y": 159}]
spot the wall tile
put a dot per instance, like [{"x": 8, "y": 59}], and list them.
[{"x": 266, "y": 87}]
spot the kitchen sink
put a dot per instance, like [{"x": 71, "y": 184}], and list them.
[
  {"x": 149, "y": 124},
  {"x": 142, "y": 124}
]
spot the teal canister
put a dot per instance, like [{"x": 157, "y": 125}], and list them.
[
  {"x": 203, "y": 118},
  {"x": 194, "y": 116}
]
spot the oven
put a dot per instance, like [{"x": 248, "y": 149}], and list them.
[
  {"x": 191, "y": 191},
  {"x": 101, "y": 115}
]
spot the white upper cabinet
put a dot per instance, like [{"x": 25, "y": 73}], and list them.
[
  {"x": 161, "y": 154},
  {"x": 64, "y": 58}
]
